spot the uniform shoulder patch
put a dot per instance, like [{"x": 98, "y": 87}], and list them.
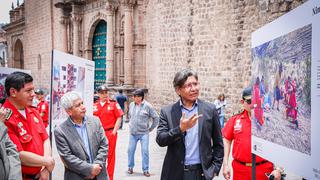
[{"x": 8, "y": 114}]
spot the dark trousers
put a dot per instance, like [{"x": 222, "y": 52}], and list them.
[{"x": 196, "y": 174}]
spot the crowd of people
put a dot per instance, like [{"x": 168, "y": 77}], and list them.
[
  {"x": 284, "y": 91},
  {"x": 198, "y": 144}
]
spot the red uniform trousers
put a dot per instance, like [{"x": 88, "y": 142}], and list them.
[
  {"x": 242, "y": 172},
  {"x": 112, "y": 141}
]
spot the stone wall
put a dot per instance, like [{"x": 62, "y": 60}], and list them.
[
  {"x": 139, "y": 44},
  {"x": 37, "y": 41},
  {"x": 210, "y": 36}
]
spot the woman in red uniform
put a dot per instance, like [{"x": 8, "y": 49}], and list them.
[{"x": 256, "y": 101}]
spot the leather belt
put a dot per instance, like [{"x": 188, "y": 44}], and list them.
[
  {"x": 30, "y": 176},
  {"x": 192, "y": 167},
  {"x": 108, "y": 129},
  {"x": 250, "y": 164}
]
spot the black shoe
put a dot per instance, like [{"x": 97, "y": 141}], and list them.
[
  {"x": 146, "y": 174},
  {"x": 130, "y": 171}
]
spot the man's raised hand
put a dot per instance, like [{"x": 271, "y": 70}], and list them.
[{"x": 188, "y": 123}]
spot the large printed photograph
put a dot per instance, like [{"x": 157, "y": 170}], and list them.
[
  {"x": 66, "y": 77},
  {"x": 281, "y": 94}
]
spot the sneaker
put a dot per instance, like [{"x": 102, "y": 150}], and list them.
[
  {"x": 146, "y": 174},
  {"x": 130, "y": 171}
]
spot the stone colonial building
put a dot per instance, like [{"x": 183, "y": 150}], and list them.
[
  {"x": 3, "y": 48},
  {"x": 142, "y": 43}
]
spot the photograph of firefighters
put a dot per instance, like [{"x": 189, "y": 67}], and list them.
[{"x": 281, "y": 96}]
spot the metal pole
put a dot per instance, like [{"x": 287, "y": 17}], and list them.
[
  {"x": 50, "y": 108},
  {"x": 253, "y": 166}
]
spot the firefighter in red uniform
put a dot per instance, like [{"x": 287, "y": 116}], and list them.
[
  {"x": 42, "y": 107},
  {"x": 109, "y": 113},
  {"x": 238, "y": 130},
  {"x": 26, "y": 129}
]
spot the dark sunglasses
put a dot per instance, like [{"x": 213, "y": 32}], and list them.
[{"x": 248, "y": 101}]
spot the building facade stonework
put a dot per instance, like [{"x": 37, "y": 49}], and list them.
[
  {"x": 211, "y": 36},
  {"x": 3, "y": 48},
  {"x": 147, "y": 41}
]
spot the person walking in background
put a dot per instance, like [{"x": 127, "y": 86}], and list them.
[
  {"x": 123, "y": 102},
  {"x": 42, "y": 107},
  {"x": 291, "y": 107},
  {"x": 238, "y": 129},
  {"x": 140, "y": 113},
  {"x": 10, "y": 165},
  {"x": 81, "y": 141},
  {"x": 109, "y": 113},
  {"x": 26, "y": 129},
  {"x": 277, "y": 94},
  {"x": 262, "y": 87},
  {"x": 267, "y": 101},
  {"x": 191, "y": 131},
  {"x": 257, "y": 104},
  {"x": 220, "y": 104}
]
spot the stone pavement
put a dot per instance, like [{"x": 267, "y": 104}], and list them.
[{"x": 156, "y": 156}]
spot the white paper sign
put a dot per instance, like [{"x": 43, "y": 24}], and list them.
[{"x": 286, "y": 90}]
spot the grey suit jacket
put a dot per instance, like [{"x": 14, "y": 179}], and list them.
[
  {"x": 72, "y": 150},
  {"x": 210, "y": 141},
  {"x": 11, "y": 159}
]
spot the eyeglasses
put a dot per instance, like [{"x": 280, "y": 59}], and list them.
[
  {"x": 248, "y": 101},
  {"x": 190, "y": 85}
]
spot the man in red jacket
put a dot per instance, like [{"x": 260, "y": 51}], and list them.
[
  {"x": 109, "y": 113},
  {"x": 238, "y": 130},
  {"x": 42, "y": 107},
  {"x": 26, "y": 129}
]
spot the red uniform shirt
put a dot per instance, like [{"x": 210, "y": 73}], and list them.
[
  {"x": 43, "y": 107},
  {"x": 238, "y": 129},
  {"x": 108, "y": 113},
  {"x": 28, "y": 134}
]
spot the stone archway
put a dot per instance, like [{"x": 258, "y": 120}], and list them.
[{"x": 18, "y": 56}]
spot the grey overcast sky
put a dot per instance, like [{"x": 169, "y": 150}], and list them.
[{"x": 5, "y": 7}]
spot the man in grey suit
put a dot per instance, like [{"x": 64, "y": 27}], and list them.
[
  {"x": 10, "y": 165},
  {"x": 81, "y": 142},
  {"x": 191, "y": 130}
]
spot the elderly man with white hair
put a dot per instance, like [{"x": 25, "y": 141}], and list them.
[{"x": 81, "y": 141}]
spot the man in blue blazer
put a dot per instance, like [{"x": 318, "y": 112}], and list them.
[
  {"x": 81, "y": 142},
  {"x": 191, "y": 130}
]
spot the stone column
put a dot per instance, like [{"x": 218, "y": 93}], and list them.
[
  {"x": 65, "y": 10},
  {"x": 128, "y": 43},
  {"x": 76, "y": 22},
  {"x": 110, "y": 45},
  {"x": 64, "y": 35}
]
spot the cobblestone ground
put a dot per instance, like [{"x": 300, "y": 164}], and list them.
[{"x": 156, "y": 156}]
